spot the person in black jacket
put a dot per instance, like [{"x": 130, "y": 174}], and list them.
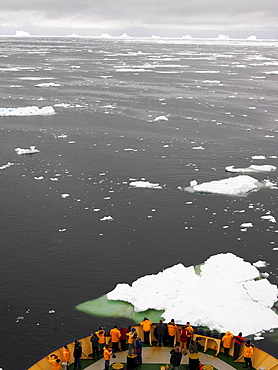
[
  {"x": 175, "y": 359},
  {"x": 77, "y": 354},
  {"x": 95, "y": 350}
]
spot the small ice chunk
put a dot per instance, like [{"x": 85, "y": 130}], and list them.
[
  {"x": 107, "y": 218},
  {"x": 246, "y": 224}
]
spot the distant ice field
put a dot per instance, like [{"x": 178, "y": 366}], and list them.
[{"x": 131, "y": 124}]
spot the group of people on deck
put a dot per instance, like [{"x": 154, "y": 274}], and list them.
[
  {"x": 123, "y": 339},
  {"x": 248, "y": 349}
]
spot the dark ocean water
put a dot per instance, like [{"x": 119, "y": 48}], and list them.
[{"x": 218, "y": 95}]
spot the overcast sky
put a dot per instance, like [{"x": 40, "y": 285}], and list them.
[{"x": 165, "y": 18}]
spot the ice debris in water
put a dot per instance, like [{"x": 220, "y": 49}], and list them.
[
  {"x": 107, "y": 218},
  {"x": 27, "y": 111},
  {"x": 269, "y": 218},
  {"x": 161, "y": 118},
  {"x": 31, "y": 150},
  {"x": 252, "y": 168},
  {"x": 226, "y": 287},
  {"x": 145, "y": 184},
  {"x": 239, "y": 185},
  {"x": 8, "y": 164}
]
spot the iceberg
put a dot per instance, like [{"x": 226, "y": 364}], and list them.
[
  {"x": 227, "y": 293},
  {"x": 31, "y": 150},
  {"x": 252, "y": 168},
  {"x": 239, "y": 185}
]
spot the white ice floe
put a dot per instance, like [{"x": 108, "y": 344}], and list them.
[
  {"x": 145, "y": 184},
  {"x": 198, "y": 147},
  {"x": 65, "y": 195},
  {"x": 161, "y": 118},
  {"x": 227, "y": 294},
  {"x": 211, "y": 82},
  {"x": 48, "y": 84},
  {"x": 107, "y": 218},
  {"x": 239, "y": 185},
  {"x": 8, "y": 164},
  {"x": 246, "y": 224},
  {"x": 260, "y": 263},
  {"x": 38, "y": 178},
  {"x": 269, "y": 218},
  {"x": 27, "y": 111},
  {"x": 31, "y": 150},
  {"x": 252, "y": 168},
  {"x": 258, "y": 157}
]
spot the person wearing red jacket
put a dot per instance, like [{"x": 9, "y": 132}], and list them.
[
  {"x": 123, "y": 332},
  {"x": 237, "y": 345}
]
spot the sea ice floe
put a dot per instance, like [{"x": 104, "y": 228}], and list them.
[
  {"x": 246, "y": 224},
  {"x": 260, "y": 264},
  {"x": 48, "y": 84},
  {"x": 198, "y": 147},
  {"x": 144, "y": 184},
  {"x": 252, "y": 168},
  {"x": 269, "y": 218},
  {"x": 27, "y": 111},
  {"x": 226, "y": 288},
  {"x": 161, "y": 118},
  {"x": 8, "y": 164},
  {"x": 107, "y": 218},
  {"x": 258, "y": 157},
  {"x": 239, "y": 185},
  {"x": 31, "y": 150},
  {"x": 65, "y": 195}
]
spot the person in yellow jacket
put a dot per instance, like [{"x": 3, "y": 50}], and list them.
[
  {"x": 146, "y": 326},
  {"x": 101, "y": 338},
  {"x": 189, "y": 333},
  {"x": 55, "y": 362},
  {"x": 131, "y": 337},
  {"x": 115, "y": 335},
  {"x": 247, "y": 353},
  {"x": 172, "y": 329},
  {"x": 107, "y": 352},
  {"x": 66, "y": 354},
  {"x": 227, "y": 342}
]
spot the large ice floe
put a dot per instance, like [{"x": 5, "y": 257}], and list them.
[
  {"x": 27, "y": 111},
  {"x": 227, "y": 293},
  {"x": 144, "y": 184},
  {"x": 252, "y": 168},
  {"x": 239, "y": 185},
  {"x": 31, "y": 150}
]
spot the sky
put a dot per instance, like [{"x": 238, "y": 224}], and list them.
[{"x": 141, "y": 18}]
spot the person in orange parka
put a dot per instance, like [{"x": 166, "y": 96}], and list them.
[
  {"x": 227, "y": 342},
  {"x": 172, "y": 329},
  {"x": 55, "y": 361},
  {"x": 247, "y": 353},
  {"x": 115, "y": 338},
  {"x": 146, "y": 326},
  {"x": 66, "y": 354},
  {"x": 107, "y": 352},
  {"x": 190, "y": 332},
  {"x": 101, "y": 338}
]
